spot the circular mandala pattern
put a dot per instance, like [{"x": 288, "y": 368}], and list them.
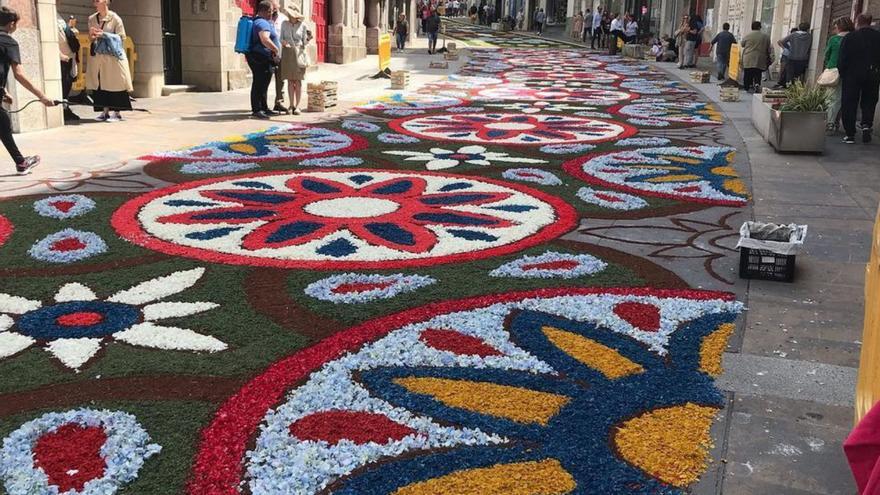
[
  {"x": 699, "y": 174},
  {"x": 513, "y": 128},
  {"x": 409, "y": 102},
  {"x": 343, "y": 219},
  {"x": 583, "y": 96},
  {"x": 595, "y": 77},
  {"x": 83, "y": 451},
  {"x": 291, "y": 141},
  {"x": 479, "y": 388}
]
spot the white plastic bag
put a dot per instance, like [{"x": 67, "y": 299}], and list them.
[{"x": 795, "y": 233}]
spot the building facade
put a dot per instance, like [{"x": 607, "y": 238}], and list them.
[{"x": 190, "y": 42}]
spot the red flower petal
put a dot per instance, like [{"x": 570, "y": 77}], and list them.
[
  {"x": 552, "y": 265},
  {"x": 459, "y": 343},
  {"x": 71, "y": 456},
  {"x": 359, "y": 427},
  {"x": 645, "y": 317},
  {"x": 348, "y": 288},
  {"x": 67, "y": 244}
]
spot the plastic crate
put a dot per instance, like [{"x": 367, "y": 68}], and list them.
[{"x": 762, "y": 264}]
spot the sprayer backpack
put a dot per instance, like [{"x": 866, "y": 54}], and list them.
[{"x": 244, "y": 34}]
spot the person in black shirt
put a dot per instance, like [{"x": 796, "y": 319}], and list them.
[
  {"x": 859, "y": 67},
  {"x": 10, "y": 59},
  {"x": 723, "y": 41}
]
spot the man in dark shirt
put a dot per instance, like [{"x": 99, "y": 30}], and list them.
[
  {"x": 262, "y": 59},
  {"x": 10, "y": 59},
  {"x": 432, "y": 26},
  {"x": 799, "y": 44},
  {"x": 723, "y": 41},
  {"x": 859, "y": 67}
]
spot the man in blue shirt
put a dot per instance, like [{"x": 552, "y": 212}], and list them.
[
  {"x": 262, "y": 59},
  {"x": 723, "y": 41}
]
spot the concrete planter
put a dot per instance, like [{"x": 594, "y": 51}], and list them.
[
  {"x": 802, "y": 132},
  {"x": 761, "y": 113}
]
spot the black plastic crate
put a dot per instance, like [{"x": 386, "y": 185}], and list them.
[{"x": 765, "y": 265}]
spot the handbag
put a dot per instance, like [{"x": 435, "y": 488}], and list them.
[
  {"x": 828, "y": 78},
  {"x": 302, "y": 55}
]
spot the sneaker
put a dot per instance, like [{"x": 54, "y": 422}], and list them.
[
  {"x": 295, "y": 111},
  {"x": 280, "y": 109},
  {"x": 866, "y": 134},
  {"x": 849, "y": 140},
  {"x": 103, "y": 117},
  {"x": 260, "y": 115},
  {"x": 270, "y": 113},
  {"x": 27, "y": 165},
  {"x": 114, "y": 118}
]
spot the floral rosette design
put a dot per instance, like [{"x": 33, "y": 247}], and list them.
[
  {"x": 583, "y": 96},
  {"x": 68, "y": 246},
  {"x": 407, "y": 104},
  {"x": 290, "y": 141},
  {"x": 478, "y": 392},
  {"x": 655, "y": 87},
  {"x": 82, "y": 451},
  {"x": 64, "y": 206},
  {"x": 662, "y": 113},
  {"x": 538, "y": 107},
  {"x": 343, "y": 219},
  {"x": 561, "y": 76},
  {"x": 440, "y": 159},
  {"x": 699, "y": 174},
  {"x": 512, "y": 128},
  {"x": 76, "y": 324},
  {"x": 551, "y": 265},
  {"x": 357, "y": 288}
]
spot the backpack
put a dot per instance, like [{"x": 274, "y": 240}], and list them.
[{"x": 243, "y": 34}]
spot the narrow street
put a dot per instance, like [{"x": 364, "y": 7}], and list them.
[{"x": 519, "y": 275}]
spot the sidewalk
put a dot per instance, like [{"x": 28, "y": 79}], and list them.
[
  {"x": 93, "y": 151},
  {"x": 791, "y": 373}
]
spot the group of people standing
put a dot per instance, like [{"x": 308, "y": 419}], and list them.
[
  {"x": 279, "y": 42},
  {"x": 604, "y": 29},
  {"x": 429, "y": 24}
]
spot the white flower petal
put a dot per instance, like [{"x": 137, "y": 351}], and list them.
[
  {"x": 415, "y": 155},
  {"x": 471, "y": 149},
  {"x": 440, "y": 151},
  {"x": 74, "y": 353},
  {"x": 162, "y": 310},
  {"x": 170, "y": 338},
  {"x": 6, "y": 322},
  {"x": 12, "y": 343},
  {"x": 441, "y": 164},
  {"x": 157, "y": 288},
  {"x": 480, "y": 162},
  {"x": 74, "y": 292},
  {"x": 17, "y": 305}
]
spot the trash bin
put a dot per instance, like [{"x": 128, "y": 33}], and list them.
[{"x": 767, "y": 250}]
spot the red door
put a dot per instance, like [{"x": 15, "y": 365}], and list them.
[{"x": 319, "y": 15}]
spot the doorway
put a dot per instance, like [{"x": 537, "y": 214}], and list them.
[
  {"x": 320, "y": 13},
  {"x": 171, "y": 41}
]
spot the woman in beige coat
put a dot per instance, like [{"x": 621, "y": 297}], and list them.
[
  {"x": 108, "y": 78},
  {"x": 294, "y": 39}
]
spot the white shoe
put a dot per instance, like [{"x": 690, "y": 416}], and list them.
[
  {"x": 103, "y": 117},
  {"x": 113, "y": 119}
]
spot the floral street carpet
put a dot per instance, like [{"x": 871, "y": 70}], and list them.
[{"x": 387, "y": 304}]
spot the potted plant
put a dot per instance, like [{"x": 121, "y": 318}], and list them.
[{"x": 799, "y": 123}]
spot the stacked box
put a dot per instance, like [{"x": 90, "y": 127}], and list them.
[
  {"x": 700, "y": 77},
  {"x": 439, "y": 65},
  {"x": 730, "y": 93},
  {"x": 773, "y": 97},
  {"x": 399, "y": 79},
  {"x": 321, "y": 96},
  {"x": 451, "y": 54}
]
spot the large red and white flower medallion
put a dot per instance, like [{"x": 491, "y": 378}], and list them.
[
  {"x": 343, "y": 219},
  {"x": 512, "y": 128},
  {"x": 584, "y": 96}
]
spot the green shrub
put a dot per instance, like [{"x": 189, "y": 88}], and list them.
[{"x": 802, "y": 98}]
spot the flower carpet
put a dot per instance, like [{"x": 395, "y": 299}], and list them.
[{"x": 387, "y": 304}]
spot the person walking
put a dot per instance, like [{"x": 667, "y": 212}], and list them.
[
  {"x": 756, "y": 57},
  {"x": 695, "y": 34},
  {"x": 432, "y": 27},
  {"x": 842, "y": 26},
  {"x": 597, "y": 28},
  {"x": 540, "y": 17},
  {"x": 401, "y": 31},
  {"x": 799, "y": 44},
  {"x": 586, "y": 26},
  {"x": 278, "y": 19},
  {"x": 262, "y": 59},
  {"x": 68, "y": 50},
  {"x": 294, "y": 55},
  {"x": 859, "y": 65},
  {"x": 681, "y": 40},
  {"x": 722, "y": 42},
  {"x": 108, "y": 77},
  {"x": 10, "y": 60}
]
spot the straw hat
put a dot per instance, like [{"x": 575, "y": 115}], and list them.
[{"x": 293, "y": 13}]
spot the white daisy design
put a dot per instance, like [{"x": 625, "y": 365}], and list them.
[
  {"x": 439, "y": 158},
  {"x": 76, "y": 325}
]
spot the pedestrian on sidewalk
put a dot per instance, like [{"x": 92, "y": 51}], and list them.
[
  {"x": 630, "y": 30},
  {"x": 577, "y": 26},
  {"x": 520, "y": 17},
  {"x": 783, "y": 63},
  {"x": 278, "y": 19},
  {"x": 799, "y": 44},
  {"x": 401, "y": 30},
  {"x": 10, "y": 59},
  {"x": 295, "y": 60},
  {"x": 606, "y": 30},
  {"x": 757, "y": 54},
  {"x": 540, "y": 17},
  {"x": 681, "y": 39},
  {"x": 859, "y": 65},
  {"x": 587, "y": 26},
  {"x": 108, "y": 77},
  {"x": 616, "y": 33},
  {"x": 432, "y": 27},
  {"x": 262, "y": 59},
  {"x": 722, "y": 42},
  {"x": 597, "y": 28},
  {"x": 695, "y": 35},
  {"x": 68, "y": 48},
  {"x": 842, "y": 26}
]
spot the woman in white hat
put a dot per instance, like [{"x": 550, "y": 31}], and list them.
[{"x": 295, "y": 59}]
